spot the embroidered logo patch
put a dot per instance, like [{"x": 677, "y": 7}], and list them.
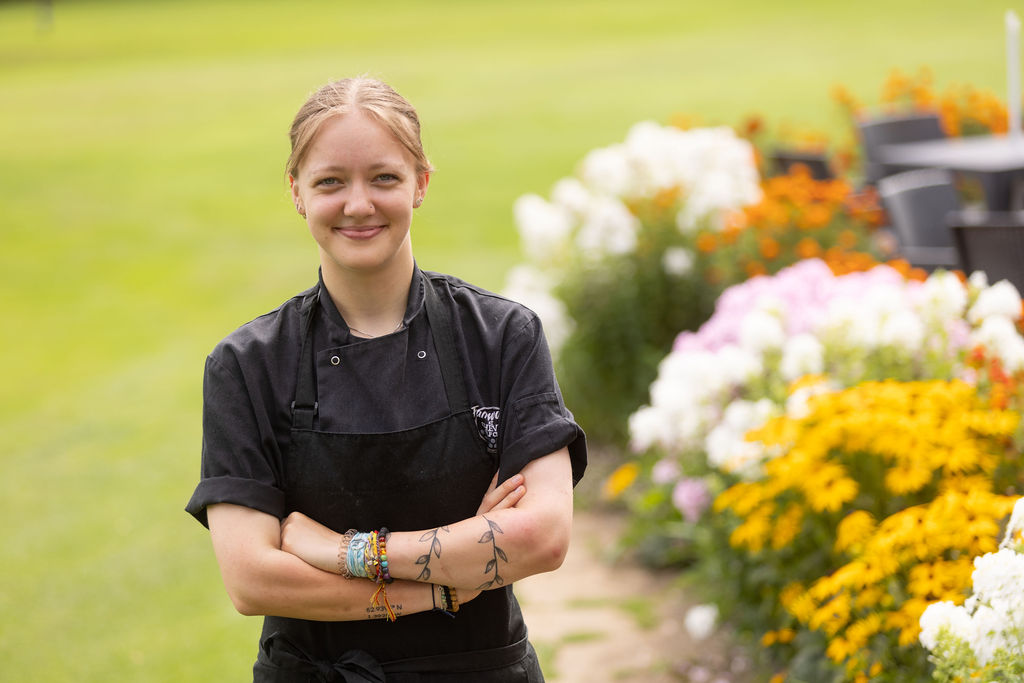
[{"x": 487, "y": 420}]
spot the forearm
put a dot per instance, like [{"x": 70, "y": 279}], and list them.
[
  {"x": 521, "y": 528},
  {"x": 262, "y": 579},
  {"x": 285, "y": 586},
  {"x": 484, "y": 552}
]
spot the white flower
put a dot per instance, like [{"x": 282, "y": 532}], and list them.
[
  {"x": 943, "y": 296},
  {"x": 608, "y": 228},
  {"x": 608, "y": 171},
  {"x": 737, "y": 365},
  {"x": 700, "y": 621},
  {"x": 978, "y": 280},
  {"x": 802, "y": 354},
  {"x": 1001, "y": 298},
  {"x": 945, "y": 615},
  {"x": 572, "y": 194},
  {"x": 677, "y": 261},
  {"x": 1015, "y": 525},
  {"x": 649, "y": 426},
  {"x": 761, "y": 331},
  {"x": 902, "y": 329},
  {"x": 544, "y": 228},
  {"x": 726, "y": 445},
  {"x": 532, "y": 288},
  {"x": 998, "y": 334}
]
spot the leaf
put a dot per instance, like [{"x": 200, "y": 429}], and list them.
[
  {"x": 501, "y": 553},
  {"x": 429, "y": 534},
  {"x": 423, "y": 559},
  {"x": 435, "y": 547},
  {"x": 484, "y": 586},
  {"x": 490, "y": 565},
  {"x": 500, "y": 581},
  {"x": 488, "y": 537},
  {"x": 494, "y": 526},
  {"x": 424, "y": 575}
]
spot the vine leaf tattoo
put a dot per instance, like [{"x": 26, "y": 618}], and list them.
[
  {"x": 434, "y": 550},
  {"x": 498, "y": 553}
]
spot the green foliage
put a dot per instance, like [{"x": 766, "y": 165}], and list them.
[{"x": 627, "y": 311}]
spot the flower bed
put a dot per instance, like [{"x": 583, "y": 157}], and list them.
[{"x": 860, "y": 432}]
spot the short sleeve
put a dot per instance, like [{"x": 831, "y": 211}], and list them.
[
  {"x": 239, "y": 452},
  {"x": 535, "y": 421}
]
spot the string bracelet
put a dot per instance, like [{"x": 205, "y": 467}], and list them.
[
  {"x": 346, "y": 540},
  {"x": 449, "y": 606}
]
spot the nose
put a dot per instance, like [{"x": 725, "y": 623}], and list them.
[{"x": 358, "y": 202}]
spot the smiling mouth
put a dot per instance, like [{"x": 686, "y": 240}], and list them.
[{"x": 362, "y": 232}]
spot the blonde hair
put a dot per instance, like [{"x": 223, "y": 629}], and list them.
[{"x": 369, "y": 95}]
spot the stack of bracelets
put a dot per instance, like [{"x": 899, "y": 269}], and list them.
[{"x": 364, "y": 555}]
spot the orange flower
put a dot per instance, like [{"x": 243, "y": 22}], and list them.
[
  {"x": 768, "y": 247},
  {"x": 814, "y": 217},
  {"x": 755, "y": 268},
  {"x": 706, "y": 243},
  {"x": 848, "y": 239},
  {"x": 807, "y": 248}
]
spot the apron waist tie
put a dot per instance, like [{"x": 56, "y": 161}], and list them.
[
  {"x": 357, "y": 666},
  {"x": 462, "y": 662}
]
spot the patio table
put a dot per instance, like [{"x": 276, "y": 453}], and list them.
[{"x": 996, "y": 160}]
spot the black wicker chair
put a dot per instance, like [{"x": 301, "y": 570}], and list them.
[
  {"x": 919, "y": 204},
  {"x": 887, "y": 130},
  {"x": 993, "y": 242},
  {"x": 785, "y": 160}
]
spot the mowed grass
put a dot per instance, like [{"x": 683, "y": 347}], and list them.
[{"x": 144, "y": 216}]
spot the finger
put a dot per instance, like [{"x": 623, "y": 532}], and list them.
[
  {"x": 513, "y": 497},
  {"x": 497, "y": 493}
]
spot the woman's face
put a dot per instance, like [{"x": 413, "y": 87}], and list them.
[{"x": 357, "y": 186}]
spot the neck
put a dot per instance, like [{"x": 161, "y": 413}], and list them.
[{"x": 372, "y": 303}]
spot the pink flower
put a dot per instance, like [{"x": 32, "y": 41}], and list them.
[{"x": 691, "y": 497}]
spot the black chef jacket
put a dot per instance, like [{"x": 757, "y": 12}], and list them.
[{"x": 384, "y": 384}]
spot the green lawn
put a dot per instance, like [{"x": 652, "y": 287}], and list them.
[{"x": 144, "y": 216}]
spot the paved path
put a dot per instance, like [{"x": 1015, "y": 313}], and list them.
[{"x": 592, "y": 621}]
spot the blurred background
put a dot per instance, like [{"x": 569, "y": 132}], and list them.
[{"x": 144, "y": 215}]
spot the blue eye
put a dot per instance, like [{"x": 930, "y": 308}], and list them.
[
  {"x": 327, "y": 181},
  {"x": 387, "y": 177}
]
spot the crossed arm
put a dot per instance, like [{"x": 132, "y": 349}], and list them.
[{"x": 289, "y": 569}]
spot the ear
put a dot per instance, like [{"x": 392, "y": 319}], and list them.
[
  {"x": 422, "y": 180},
  {"x": 296, "y": 199}
]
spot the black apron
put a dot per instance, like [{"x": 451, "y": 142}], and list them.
[{"x": 420, "y": 478}]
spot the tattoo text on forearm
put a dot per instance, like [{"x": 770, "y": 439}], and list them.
[{"x": 382, "y": 612}]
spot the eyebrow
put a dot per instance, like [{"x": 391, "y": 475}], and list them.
[{"x": 335, "y": 168}]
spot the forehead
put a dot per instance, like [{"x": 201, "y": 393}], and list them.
[{"x": 355, "y": 140}]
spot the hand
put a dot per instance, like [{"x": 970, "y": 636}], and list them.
[
  {"x": 310, "y": 541},
  {"x": 507, "y": 495}
]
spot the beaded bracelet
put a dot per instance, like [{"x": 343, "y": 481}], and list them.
[{"x": 382, "y": 539}]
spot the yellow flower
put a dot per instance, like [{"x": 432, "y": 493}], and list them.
[
  {"x": 855, "y": 528},
  {"x": 620, "y": 480},
  {"x": 787, "y": 526}
]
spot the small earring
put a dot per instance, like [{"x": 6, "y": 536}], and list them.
[{"x": 416, "y": 203}]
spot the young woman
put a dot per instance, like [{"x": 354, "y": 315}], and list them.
[{"x": 387, "y": 452}]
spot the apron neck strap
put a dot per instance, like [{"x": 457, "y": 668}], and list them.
[
  {"x": 305, "y": 406},
  {"x": 443, "y": 332}
]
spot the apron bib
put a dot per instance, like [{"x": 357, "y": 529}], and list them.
[{"x": 420, "y": 478}]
